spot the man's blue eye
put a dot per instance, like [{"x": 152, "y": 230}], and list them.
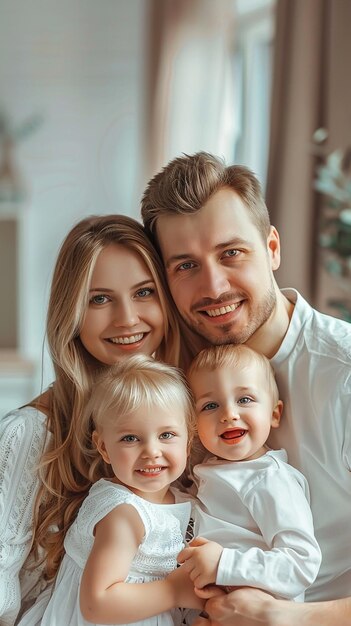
[
  {"x": 231, "y": 252},
  {"x": 186, "y": 266}
]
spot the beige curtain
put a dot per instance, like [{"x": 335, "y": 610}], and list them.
[
  {"x": 188, "y": 69},
  {"x": 311, "y": 89}
]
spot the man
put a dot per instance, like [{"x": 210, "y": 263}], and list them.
[{"x": 212, "y": 229}]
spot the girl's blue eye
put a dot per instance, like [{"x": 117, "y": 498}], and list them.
[
  {"x": 99, "y": 299},
  {"x": 210, "y": 406},
  {"x": 129, "y": 438},
  {"x": 167, "y": 435}
]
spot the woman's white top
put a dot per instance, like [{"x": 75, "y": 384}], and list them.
[
  {"x": 23, "y": 437},
  {"x": 165, "y": 527}
]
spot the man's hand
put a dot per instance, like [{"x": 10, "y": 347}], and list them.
[
  {"x": 247, "y": 606},
  {"x": 200, "y": 559}
]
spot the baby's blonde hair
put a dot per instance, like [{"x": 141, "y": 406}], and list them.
[
  {"x": 133, "y": 383},
  {"x": 234, "y": 356}
]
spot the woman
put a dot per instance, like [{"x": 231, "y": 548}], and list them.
[{"x": 108, "y": 300}]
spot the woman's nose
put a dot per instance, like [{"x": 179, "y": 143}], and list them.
[{"x": 126, "y": 314}]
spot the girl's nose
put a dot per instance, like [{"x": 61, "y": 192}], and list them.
[{"x": 151, "y": 450}]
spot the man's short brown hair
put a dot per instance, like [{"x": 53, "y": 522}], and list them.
[{"x": 188, "y": 182}]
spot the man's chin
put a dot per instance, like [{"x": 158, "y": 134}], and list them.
[{"x": 219, "y": 338}]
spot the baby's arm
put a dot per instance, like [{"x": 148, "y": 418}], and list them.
[
  {"x": 201, "y": 559},
  {"x": 292, "y": 559},
  {"x": 105, "y": 597}
]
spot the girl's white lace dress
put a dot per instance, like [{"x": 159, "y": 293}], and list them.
[{"x": 165, "y": 528}]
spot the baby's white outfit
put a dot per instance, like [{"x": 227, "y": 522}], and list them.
[
  {"x": 259, "y": 511},
  {"x": 165, "y": 528}
]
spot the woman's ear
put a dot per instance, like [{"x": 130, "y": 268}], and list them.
[
  {"x": 100, "y": 445},
  {"x": 276, "y": 414}
]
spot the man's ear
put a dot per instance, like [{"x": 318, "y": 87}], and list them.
[
  {"x": 276, "y": 414},
  {"x": 273, "y": 246},
  {"x": 100, "y": 445}
]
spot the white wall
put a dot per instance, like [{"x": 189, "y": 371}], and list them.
[{"x": 79, "y": 64}]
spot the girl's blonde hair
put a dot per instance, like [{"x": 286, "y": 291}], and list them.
[
  {"x": 65, "y": 470},
  {"x": 136, "y": 382},
  {"x": 234, "y": 356}
]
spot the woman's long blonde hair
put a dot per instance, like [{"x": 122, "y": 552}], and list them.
[{"x": 64, "y": 468}]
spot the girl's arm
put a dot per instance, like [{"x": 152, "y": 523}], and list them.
[
  {"x": 104, "y": 596},
  {"x": 22, "y": 439}
]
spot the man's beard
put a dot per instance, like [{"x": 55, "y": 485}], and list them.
[{"x": 255, "y": 322}]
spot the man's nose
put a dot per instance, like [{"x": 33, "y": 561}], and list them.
[{"x": 214, "y": 281}]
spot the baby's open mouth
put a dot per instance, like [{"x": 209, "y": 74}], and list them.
[{"x": 233, "y": 433}]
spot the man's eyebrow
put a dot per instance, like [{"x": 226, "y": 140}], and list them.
[
  {"x": 175, "y": 258},
  {"x": 233, "y": 242}
]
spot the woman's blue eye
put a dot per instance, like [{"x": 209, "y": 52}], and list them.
[
  {"x": 210, "y": 406},
  {"x": 146, "y": 291},
  {"x": 99, "y": 299}
]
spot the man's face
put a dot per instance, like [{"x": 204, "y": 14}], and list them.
[{"x": 219, "y": 269}]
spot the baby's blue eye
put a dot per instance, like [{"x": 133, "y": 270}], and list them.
[
  {"x": 210, "y": 406},
  {"x": 245, "y": 400},
  {"x": 167, "y": 435}
]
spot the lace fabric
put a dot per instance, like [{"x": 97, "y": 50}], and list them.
[
  {"x": 22, "y": 441},
  {"x": 165, "y": 527}
]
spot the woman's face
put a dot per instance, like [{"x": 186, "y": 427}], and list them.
[{"x": 124, "y": 314}]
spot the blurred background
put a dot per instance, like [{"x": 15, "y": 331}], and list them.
[{"x": 97, "y": 96}]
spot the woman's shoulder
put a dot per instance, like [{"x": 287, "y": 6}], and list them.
[
  {"x": 23, "y": 435},
  {"x": 26, "y": 419}
]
